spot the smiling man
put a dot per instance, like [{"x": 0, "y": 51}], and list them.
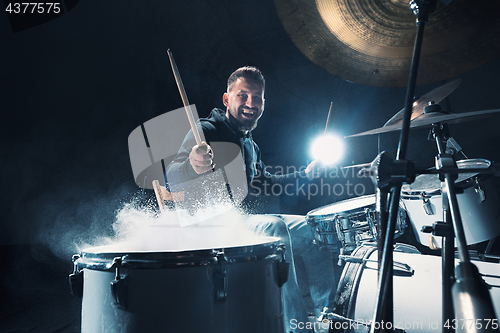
[{"x": 244, "y": 102}]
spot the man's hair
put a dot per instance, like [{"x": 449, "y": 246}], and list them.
[{"x": 247, "y": 72}]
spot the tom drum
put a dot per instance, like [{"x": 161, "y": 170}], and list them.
[{"x": 350, "y": 222}]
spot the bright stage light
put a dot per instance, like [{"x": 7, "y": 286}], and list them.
[{"x": 328, "y": 149}]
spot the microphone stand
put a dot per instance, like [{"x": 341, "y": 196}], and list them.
[{"x": 384, "y": 307}]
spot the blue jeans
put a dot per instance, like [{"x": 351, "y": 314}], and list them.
[{"x": 297, "y": 236}]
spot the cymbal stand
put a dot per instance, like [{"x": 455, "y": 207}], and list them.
[
  {"x": 445, "y": 229},
  {"x": 468, "y": 295},
  {"x": 384, "y": 308}
]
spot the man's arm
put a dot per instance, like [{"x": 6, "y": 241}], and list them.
[{"x": 191, "y": 161}]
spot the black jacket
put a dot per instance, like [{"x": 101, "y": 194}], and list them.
[{"x": 217, "y": 128}]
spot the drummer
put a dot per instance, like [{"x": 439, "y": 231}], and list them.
[{"x": 244, "y": 102}]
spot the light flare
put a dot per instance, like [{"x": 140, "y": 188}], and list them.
[{"x": 328, "y": 149}]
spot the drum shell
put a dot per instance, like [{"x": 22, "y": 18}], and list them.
[
  {"x": 349, "y": 223},
  {"x": 181, "y": 297},
  {"x": 417, "y": 297},
  {"x": 481, "y": 219}
]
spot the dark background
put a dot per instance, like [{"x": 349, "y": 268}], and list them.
[{"x": 75, "y": 87}]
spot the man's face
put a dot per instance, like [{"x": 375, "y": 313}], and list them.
[{"x": 245, "y": 103}]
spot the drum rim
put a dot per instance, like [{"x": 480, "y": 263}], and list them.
[
  {"x": 317, "y": 217},
  {"x": 169, "y": 259}
]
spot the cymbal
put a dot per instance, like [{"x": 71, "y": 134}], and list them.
[
  {"x": 427, "y": 119},
  {"x": 371, "y": 41},
  {"x": 436, "y": 95}
]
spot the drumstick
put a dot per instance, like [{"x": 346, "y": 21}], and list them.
[
  {"x": 328, "y": 118},
  {"x": 159, "y": 197},
  {"x": 187, "y": 107}
]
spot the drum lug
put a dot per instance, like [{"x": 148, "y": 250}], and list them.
[
  {"x": 119, "y": 286},
  {"x": 281, "y": 269},
  {"x": 428, "y": 206},
  {"x": 220, "y": 280},
  {"x": 480, "y": 192},
  {"x": 76, "y": 279}
]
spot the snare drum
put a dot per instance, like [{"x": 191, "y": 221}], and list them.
[
  {"x": 350, "y": 222},
  {"x": 234, "y": 289},
  {"x": 417, "y": 290},
  {"x": 478, "y": 201}
]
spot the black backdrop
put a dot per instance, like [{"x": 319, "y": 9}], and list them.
[{"x": 75, "y": 87}]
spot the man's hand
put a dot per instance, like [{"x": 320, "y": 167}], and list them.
[{"x": 201, "y": 158}]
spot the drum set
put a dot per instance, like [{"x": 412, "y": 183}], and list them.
[
  {"x": 467, "y": 301},
  {"x": 344, "y": 226},
  {"x": 406, "y": 285},
  {"x": 351, "y": 228},
  {"x": 144, "y": 290}
]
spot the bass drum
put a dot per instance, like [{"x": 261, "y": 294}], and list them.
[
  {"x": 234, "y": 289},
  {"x": 478, "y": 200},
  {"x": 417, "y": 289}
]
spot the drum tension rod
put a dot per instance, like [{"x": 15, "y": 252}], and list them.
[
  {"x": 76, "y": 279},
  {"x": 119, "y": 285},
  {"x": 220, "y": 280}
]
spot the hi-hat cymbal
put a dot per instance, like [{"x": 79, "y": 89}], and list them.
[
  {"x": 371, "y": 41},
  {"x": 427, "y": 119},
  {"x": 436, "y": 96}
]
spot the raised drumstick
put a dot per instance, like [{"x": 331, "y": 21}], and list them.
[
  {"x": 159, "y": 196},
  {"x": 185, "y": 101},
  {"x": 328, "y": 117}
]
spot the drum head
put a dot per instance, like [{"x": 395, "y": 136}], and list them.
[
  {"x": 431, "y": 183},
  {"x": 101, "y": 257},
  {"x": 342, "y": 207}
]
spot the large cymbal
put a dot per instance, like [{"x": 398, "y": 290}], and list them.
[
  {"x": 427, "y": 119},
  {"x": 436, "y": 96},
  {"x": 371, "y": 41}
]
